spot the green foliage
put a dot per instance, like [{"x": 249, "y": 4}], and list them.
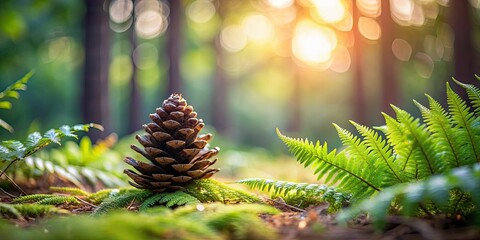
[
  {"x": 199, "y": 191},
  {"x": 177, "y": 198},
  {"x": 13, "y": 150},
  {"x": 209, "y": 190},
  {"x": 47, "y": 199},
  {"x": 441, "y": 191},
  {"x": 207, "y": 221},
  {"x": 404, "y": 150},
  {"x": 300, "y": 194},
  {"x": 122, "y": 198},
  {"x": 20, "y": 211},
  {"x": 83, "y": 164},
  {"x": 70, "y": 191},
  {"x": 12, "y": 91}
]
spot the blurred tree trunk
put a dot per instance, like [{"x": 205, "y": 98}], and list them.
[
  {"x": 464, "y": 51},
  {"x": 135, "y": 106},
  {"x": 174, "y": 45},
  {"x": 358, "y": 100},
  {"x": 388, "y": 73},
  {"x": 219, "y": 92},
  {"x": 95, "y": 104}
]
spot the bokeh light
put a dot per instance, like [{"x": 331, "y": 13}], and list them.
[
  {"x": 280, "y": 3},
  {"x": 369, "y": 8},
  {"x": 201, "y": 11},
  {"x": 145, "y": 56},
  {"x": 151, "y": 20},
  {"x": 258, "y": 27},
  {"x": 313, "y": 43},
  {"x": 423, "y": 64},
  {"x": 401, "y": 49},
  {"x": 369, "y": 28},
  {"x": 233, "y": 38},
  {"x": 341, "y": 61},
  {"x": 120, "y": 10},
  {"x": 330, "y": 11}
]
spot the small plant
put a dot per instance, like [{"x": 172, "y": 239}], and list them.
[
  {"x": 372, "y": 164},
  {"x": 12, "y": 91}
]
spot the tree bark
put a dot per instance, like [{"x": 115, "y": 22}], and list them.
[
  {"x": 95, "y": 102},
  {"x": 134, "y": 105},
  {"x": 464, "y": 52},
  {"x": 388, "y": 72},
  {"x": 174, "y": 45},
  {"x": 219, "y": 96},
  {"x": 358, "y": 98}
]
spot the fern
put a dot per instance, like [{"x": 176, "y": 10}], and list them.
[
  {"x": 70, "y": 191},
  {"x": 300, "y": 194},
  {"x": 411, "y": 151},
  {"x": 121, "y": 199},
  {"x": 12, "y": 150},
  {"x": 209, "y": 190},
  {"x": 47, "y": 199},
  {"x": 20, "y": 211},
  {"x": 12, "y": 91},
  {"x": 177, "y": 198},
  {"x": 436, "y": 189}
]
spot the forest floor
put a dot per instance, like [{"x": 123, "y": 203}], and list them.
[{"x": 316, "y": 223}]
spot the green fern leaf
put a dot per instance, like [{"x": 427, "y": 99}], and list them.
[
  {"x": 209, "y": 190},
  {"x": 379, "y": 150},
  {"x": 70, "y": 190},
  {"x": 31, "y": 198},
  {"x": 465, "y": 122},
  {"x": 336, "y": 168},
  {"x": 473, "y": 94},
  {"x": 436, "y": 189},
  {"x": 307, "y": 194},
  {"x": 58, "y": 200},
  {"x": 122, "y": 199}
]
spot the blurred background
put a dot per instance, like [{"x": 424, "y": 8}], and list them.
[{"x": 247, "y": 67}]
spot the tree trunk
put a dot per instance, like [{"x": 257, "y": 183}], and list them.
[
  {"x": 464, "y": 52},
  {"x": 219, "y": 96},
  {"x": 134, "y": 105},
  {"x": 390, "y": 86},
  {"x": 95, "y": 104},
  {"x": 173, "y": 45},
  {"x": 359, "y": 102}
]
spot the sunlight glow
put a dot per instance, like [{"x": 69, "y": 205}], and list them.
[
  {"x": 329, "y": 10},
  {"x": 369, "y": 28},
  {"x": 313, "y": 43},
  {"x": 150, "y": 24},
  {"x": 341, "y": 60},
  {"x": 201, "y": 11},
  {"x": 258, "y": 27},
  {"x": 233, "y": 39},
  {"x": 280, "y": 3},
  {"x": 369, "y": 8},
  {"x": 407, "y": 12}
]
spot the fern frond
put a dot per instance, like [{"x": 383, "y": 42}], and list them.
[
  {"x": 70, "y": 191},
  {"x": 379, "y": 150},
  {"x": 12, "y": 91},
  {"x": 307, "y": 194},
  {"x": 30, "y": 210},
  {"x": 423, "y": 153},
  {"x": 122, "y": 199},
  {"x": 31, "y": 198},
  {"x": 473, "y": 94},
  {"x": 58, "y": 200},
  {"x": 465, "y": 122},
  {"x": 336, "y": 168},
  {"x": 436, "y": 189},
  {"x": 209, "y": 190},
  {"x": 100, "y": 195},
  {"x": 15, "y": 150},
  {"x": 178, "y": 198}
]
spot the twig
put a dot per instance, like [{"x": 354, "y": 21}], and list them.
[
  {"x": 15, "y": 184},
  {"x": 286, "y": 205},
  {"x": 85, "y": 202},
  {"x": 8, "y": 194}
]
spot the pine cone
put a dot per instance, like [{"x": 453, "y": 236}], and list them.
[{"x": 176, "y": 152}]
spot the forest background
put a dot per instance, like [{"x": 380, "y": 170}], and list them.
[{"x": 248, "y": 67}]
